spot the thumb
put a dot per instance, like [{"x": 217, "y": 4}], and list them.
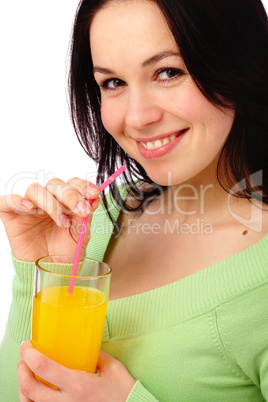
[{"x": 105, "y": 361}]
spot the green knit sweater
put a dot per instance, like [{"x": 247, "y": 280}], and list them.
[{"x": 202, "y": 338}]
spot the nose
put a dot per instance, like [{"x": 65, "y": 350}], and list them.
[{"x": 142, "y": 109}]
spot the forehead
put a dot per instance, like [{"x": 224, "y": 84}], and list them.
[{"x": 130, "y": 27}]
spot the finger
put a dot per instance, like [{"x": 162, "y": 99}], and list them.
[
  {"x": 104, "y": 359},
  {"x": 23, "y": 398},
  {"x": 87, "y": 189},
  {"x": 46, "y": 368},
  {"x": 112, "y": 369},
  {"x": 32, "y": 389},
  {"x": 95, "y": 203},
  {"x": 15, "y": 203},
  {"x": 45, "y": 201},
  {"x": 106, "y": 363},
  {"x": 70, "y": 197}
]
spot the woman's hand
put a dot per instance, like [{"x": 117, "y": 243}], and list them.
[
  {"x": 111, "y": 383},
  {"x": 47, "y": 219}
]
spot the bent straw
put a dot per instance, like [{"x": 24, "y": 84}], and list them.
[{"x": 83, "y": 228}]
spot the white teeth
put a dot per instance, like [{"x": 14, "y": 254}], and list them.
[
  {"x": 150, "y": 145},
  {"x": 158, "y": 143},
  {"x": 166, "y": 141}
]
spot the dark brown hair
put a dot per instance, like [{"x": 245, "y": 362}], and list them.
[{"x": 224, "y": 45}]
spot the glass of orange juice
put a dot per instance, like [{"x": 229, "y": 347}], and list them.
[{"x": 68, "y": 327}]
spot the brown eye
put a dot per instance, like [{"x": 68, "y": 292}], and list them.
[
  {"x": 169, "y": 73},
  {"x": 112, "y": 83},
  {"x": 115, "y": 83}
]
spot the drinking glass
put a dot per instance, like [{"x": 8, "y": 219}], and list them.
[{"x": 68, "y": 326}]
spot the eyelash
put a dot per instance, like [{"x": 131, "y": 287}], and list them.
[{"x": 178, "y": 73}]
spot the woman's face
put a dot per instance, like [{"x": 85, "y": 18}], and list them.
[{"x": 149, "y": 103}]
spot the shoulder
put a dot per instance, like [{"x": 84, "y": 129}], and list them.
[
  {"x": 247, "y": 308},
  {"x": 265, "y": 219},
  {"x": 250, "y": 218},
  {"x": 243, "y": 327}
]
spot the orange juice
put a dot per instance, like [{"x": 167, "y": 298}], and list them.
[{"x": 68, "y": 327}]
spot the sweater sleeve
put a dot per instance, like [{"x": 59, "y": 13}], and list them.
[
  {"x": 243, "y": 328},
  {"x": 139, "y": 393},
  {"x": 18, "y": 329}
]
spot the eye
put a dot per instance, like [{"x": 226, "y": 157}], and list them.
[
  {"x": 112, "y": 84},
  {"x": 167, "y": 74}
]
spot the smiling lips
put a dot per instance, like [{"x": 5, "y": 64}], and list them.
[{"x": 160, "y": 146}]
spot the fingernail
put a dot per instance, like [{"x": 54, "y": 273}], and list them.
[
  {"x": 22, "y": 343},
  {"x": 27, "y": 204},
  {"x": 83, "y": 208},
  {"x": 65, "y": 221},
  {"x": 92, "y": 191}
]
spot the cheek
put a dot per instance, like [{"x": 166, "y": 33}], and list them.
[
  {"x": 191, "y": 104},
  {"x": 111, "y": 119},
  {"x": 198, "y": 111},
  {"x": 219, "y": 123},
  {"x": 106, "y": 118}
]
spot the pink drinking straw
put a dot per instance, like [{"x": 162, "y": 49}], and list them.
[{"x": 83, "y": 229}]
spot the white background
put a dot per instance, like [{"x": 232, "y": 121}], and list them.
[{"x": 37, "y": 138}]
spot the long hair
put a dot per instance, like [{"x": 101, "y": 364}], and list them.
[{"x": 224, "y": 45}]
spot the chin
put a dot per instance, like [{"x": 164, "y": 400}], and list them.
[{"x": 167, "y": 178}]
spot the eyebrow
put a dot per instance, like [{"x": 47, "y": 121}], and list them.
[
  {"x": 152, "y": 60},
  {"x": 160, "y": 56}
]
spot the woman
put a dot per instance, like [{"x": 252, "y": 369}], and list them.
[{"x": 176, "y": 90}]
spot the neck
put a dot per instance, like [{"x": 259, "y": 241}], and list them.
[{"x": 197, "y": 198}]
